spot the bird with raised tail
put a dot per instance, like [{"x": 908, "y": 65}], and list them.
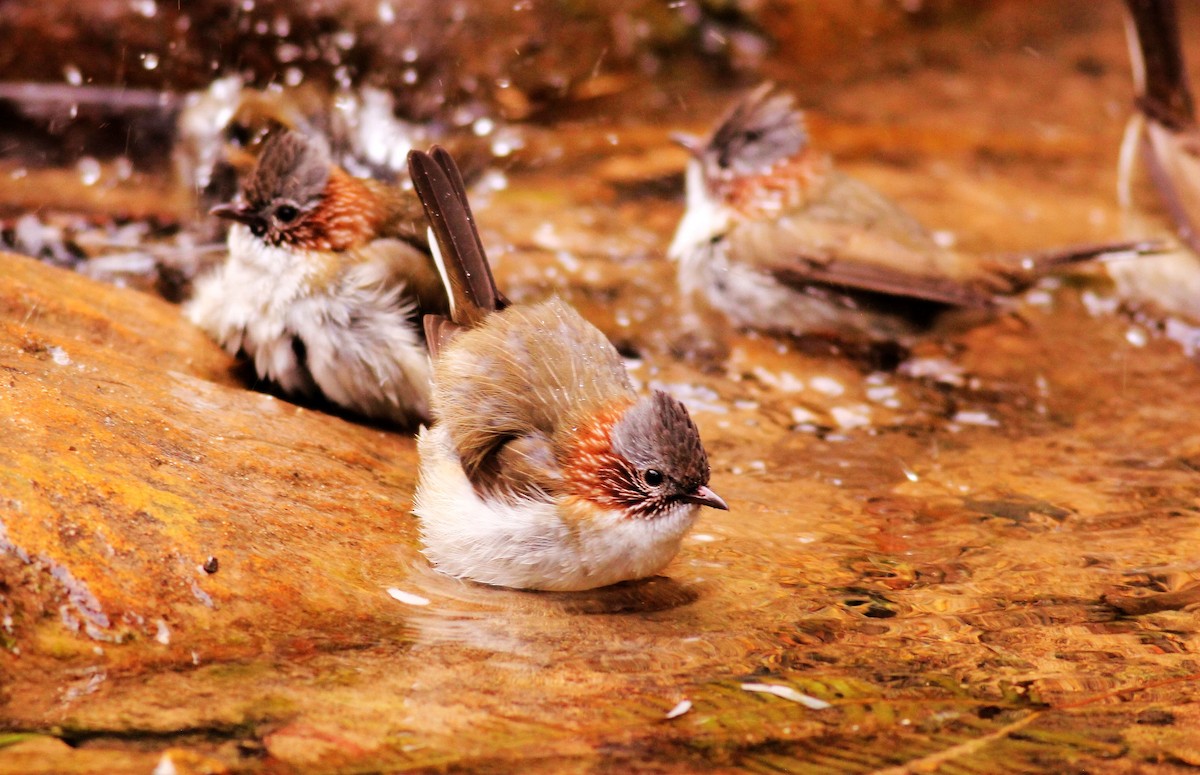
[
  {"x": 543, "y": 468},
  {"x": 778, "y": 240},
  {"x": 327, "y": 279}
]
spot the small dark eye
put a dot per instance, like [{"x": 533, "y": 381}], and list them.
[
  {"x": 238, "y": 134},
  {"x": 652, "y": 477},
  {"x": 286, "y": 213}
]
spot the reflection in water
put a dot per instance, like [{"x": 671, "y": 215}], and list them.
[{"x": 536, "y": 626}]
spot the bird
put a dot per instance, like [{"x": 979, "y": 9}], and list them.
[
  {"x": 1165, "y": 120},
  {"x": 325, "y": 284},
  {"x": 542, "y": 469},
  {"x": 1165, "y": 128},
  {"x": 777, "y": 239}
]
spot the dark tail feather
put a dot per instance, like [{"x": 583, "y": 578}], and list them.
[
  {"x": 1165, "y": 96},
  {"x": 464, "y": 265},
  {"x": 1172, "y": 140},
  {"x": 1045, "y": 260},
  {"x": 1023, "y": 269}
]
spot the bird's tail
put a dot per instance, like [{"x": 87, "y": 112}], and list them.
[
  {"x": 1160, "y": 76},
  {"x": 1021, "y": 270},
  {"x": 1166, "y": 122},
  {"x": 456, "y": 247}
]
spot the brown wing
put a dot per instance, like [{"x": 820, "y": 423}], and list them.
[
  {"x": 531, "y": 371},
  {"x": 520, "y": 468},
  {"x": 854, "y": 238}
]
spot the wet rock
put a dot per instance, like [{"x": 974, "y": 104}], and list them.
[{"x": 132, "y": 459}]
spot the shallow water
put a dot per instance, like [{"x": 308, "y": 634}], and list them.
[{"x": 944, "y": 551}]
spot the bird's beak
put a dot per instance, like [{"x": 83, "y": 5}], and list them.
[
  {"x": 706, "y": 497},
  {"x": 694, "y": 145},
  {"x": 239, "y": 213}
]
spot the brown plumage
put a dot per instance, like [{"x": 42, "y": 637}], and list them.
[
  {"x": 779, "y": 240},
  {"x": 325, "y": 284},
  {"x": 543, "y": 468}
]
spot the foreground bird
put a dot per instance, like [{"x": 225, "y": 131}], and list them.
[
  {"x": 326, "y": 281},
  {"x": 543, "y": 469},
  {"x": 778, "y": 240}
]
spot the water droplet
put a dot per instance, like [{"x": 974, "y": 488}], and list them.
[
  {"x": 848, "y": 417},
  {"x": 149, "y": 60},
  {"x": 407, "y": 598},
  {"x": 827, "y": 385},
  {"x": 788, "y": 693},
  {"x": 944, "y": 238},
  {"x": 387, "y": 14},
  {"x": 881, "y": 393},
  {"x": 282, "y": 26},
  {"x": 1136, "y": 336},
  {"x": 261, "y": 27},
  {"x": 505, "y": 141},
  {"x": 89, "y": 170},
  {"x": 287, "y": 52},
  {"x": 409, "y": 76},
  {"x": 483, "y": 126},
  {"x": 972, "y": 417},
  {"x": 146, "y": 8},
  {"x": 293, "y": 76},
  {"x": 410, "y": 54},
  {"x": 344, "y": 40},
  {"x": 72, "y": 74},
  {"x": 683, "y": 707}
]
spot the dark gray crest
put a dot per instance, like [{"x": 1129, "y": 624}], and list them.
[
  {"x": 291, "y": 167},
  {"x": 286, "y": 185},
  {"x": 763, "y": 128},
  {"x": 657, "y": 434}
]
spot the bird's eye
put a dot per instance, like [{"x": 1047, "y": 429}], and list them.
[
  {"x": 653, "y": 477},
  {"x": 239, "y": 135},
  {"x": 286, "y": 213}
]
